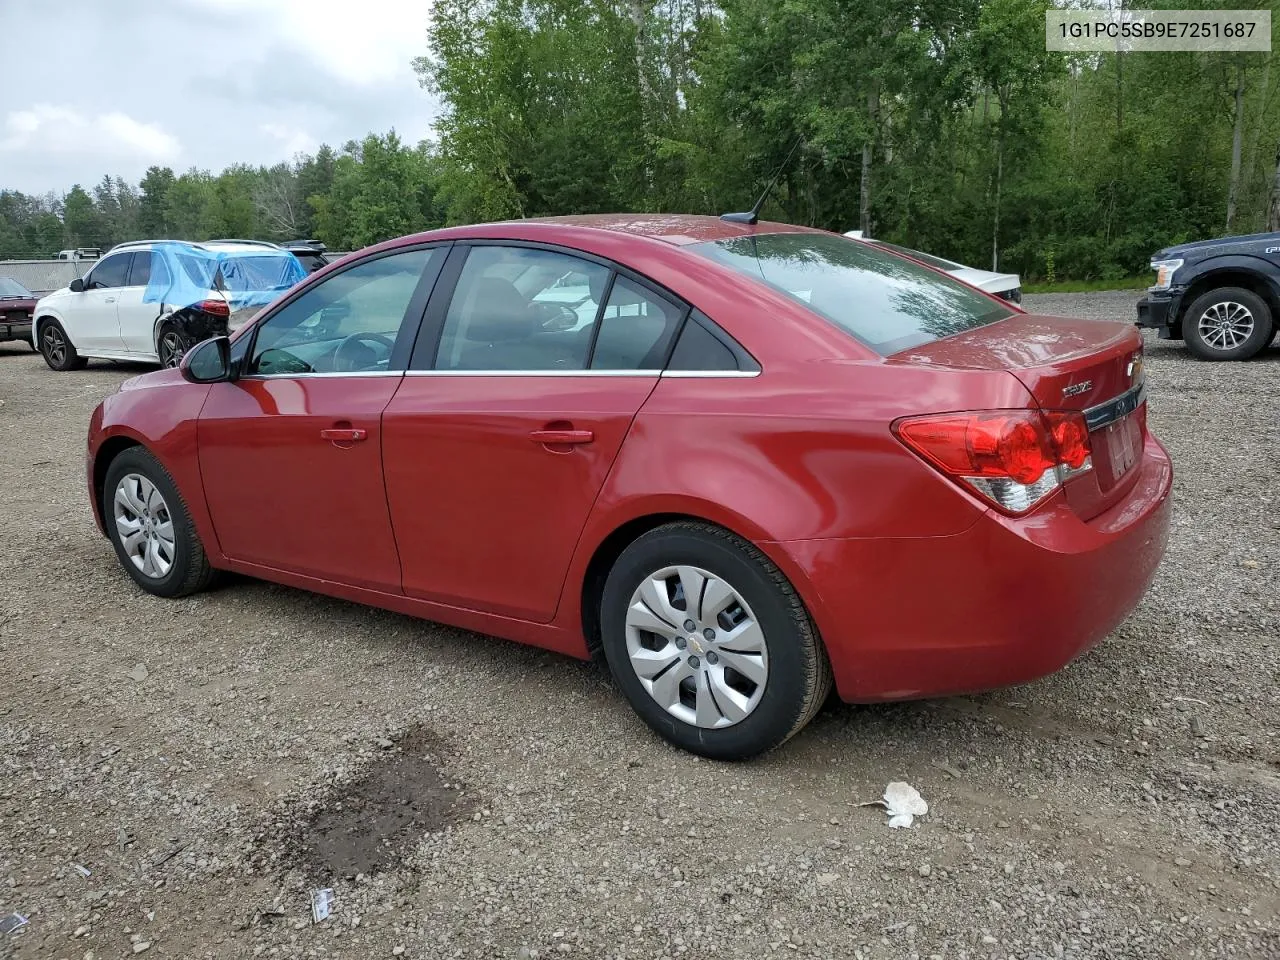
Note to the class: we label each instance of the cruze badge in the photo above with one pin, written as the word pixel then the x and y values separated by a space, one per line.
pixel 1075 389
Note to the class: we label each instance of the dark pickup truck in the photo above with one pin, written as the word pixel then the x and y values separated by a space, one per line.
pixel 1221 296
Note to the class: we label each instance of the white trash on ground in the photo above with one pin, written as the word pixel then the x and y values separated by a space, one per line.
pixel 902 802
pixel 321 904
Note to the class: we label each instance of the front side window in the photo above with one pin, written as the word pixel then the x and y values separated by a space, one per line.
pixel 519 308
pixel 111 272
pixel 888 303
pixel 348 323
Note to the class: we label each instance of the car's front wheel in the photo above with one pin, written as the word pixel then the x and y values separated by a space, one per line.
pixel 149 526
pixel 710 642
pixel 1230 323
pixel 57 349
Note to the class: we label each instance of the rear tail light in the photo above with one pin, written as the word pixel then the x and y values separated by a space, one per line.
pixel 215 308
pixel 1013 458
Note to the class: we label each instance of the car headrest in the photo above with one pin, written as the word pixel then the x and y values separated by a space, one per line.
pixel 498 312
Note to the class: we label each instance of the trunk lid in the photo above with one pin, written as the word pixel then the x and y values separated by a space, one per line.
pixel 1066 364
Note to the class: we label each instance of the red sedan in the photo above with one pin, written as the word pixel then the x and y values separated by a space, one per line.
pixel 743 461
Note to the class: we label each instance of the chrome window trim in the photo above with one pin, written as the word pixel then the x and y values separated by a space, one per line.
pixel 711 374
pixel 533 373
pixel 1114 409
pixel 681 374
pixel 322 373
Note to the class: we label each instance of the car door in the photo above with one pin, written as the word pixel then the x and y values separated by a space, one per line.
pixel 509 419
pixel 291 452
pixel 90 316
pixel 137 319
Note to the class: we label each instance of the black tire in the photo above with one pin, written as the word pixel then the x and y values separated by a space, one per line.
pixel 189 570
pixel 57 349
pixel 171 345
pixel 1224 300
pixel 799 674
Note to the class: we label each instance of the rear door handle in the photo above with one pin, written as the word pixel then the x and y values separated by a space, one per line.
pixel 108 299
pixel 344 434
pixel 562 436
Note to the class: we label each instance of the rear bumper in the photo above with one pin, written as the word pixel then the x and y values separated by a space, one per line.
pixel 1005 602
pixel 1159 310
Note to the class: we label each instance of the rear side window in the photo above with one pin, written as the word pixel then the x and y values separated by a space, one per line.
pixel 140 275
pixel 635 330
pixel 886 302
pixel 699 348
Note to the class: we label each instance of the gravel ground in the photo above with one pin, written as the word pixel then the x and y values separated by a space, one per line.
pixel 209 762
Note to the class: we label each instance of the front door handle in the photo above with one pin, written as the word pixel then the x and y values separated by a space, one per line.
pixel 562 436
pixel 344 434
pixel 108 299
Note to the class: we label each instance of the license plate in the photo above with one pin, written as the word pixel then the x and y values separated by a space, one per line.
pixel 1122 447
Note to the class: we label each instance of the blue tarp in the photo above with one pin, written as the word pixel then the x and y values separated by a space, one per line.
pixel 182 274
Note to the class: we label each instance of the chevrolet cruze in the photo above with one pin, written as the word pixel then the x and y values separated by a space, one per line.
pixel 743 461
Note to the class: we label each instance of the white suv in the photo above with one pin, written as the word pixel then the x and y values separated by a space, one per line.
pixel 106 313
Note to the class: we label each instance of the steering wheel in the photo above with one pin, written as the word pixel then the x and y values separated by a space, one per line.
pixel 557 316
pixel 346 364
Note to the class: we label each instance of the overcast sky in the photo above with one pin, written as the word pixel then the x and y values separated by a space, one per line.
pixel 90 87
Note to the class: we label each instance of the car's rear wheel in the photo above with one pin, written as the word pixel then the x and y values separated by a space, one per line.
pixel 149 526
pixel 171 346
pixel 57 349
pixel 1230 323
pixel 710 642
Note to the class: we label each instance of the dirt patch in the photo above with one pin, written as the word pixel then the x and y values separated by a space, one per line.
pixel 371 823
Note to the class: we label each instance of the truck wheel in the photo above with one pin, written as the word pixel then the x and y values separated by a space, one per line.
pixel 1230 323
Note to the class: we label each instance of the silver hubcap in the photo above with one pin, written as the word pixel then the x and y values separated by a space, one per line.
pixel 1226 325
pixel 171 350
pixel 144 525
pixel 697 647
pixel 55 348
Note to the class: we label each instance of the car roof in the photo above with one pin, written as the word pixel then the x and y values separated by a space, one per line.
pixel 229 245
pixel 676 229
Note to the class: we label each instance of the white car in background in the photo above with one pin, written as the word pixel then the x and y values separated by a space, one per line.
pixel 107 314
pixel 1006 286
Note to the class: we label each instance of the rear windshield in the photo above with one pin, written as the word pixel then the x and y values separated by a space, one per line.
pixel 888 303
pixel 936 262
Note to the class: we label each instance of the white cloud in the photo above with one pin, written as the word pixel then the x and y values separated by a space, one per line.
pixel 292 139
pixel 54 129
pixel 373 45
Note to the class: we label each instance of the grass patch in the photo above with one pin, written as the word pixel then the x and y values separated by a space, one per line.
pixel 1088 286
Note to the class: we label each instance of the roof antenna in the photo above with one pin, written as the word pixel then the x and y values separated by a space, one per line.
pixel 753 215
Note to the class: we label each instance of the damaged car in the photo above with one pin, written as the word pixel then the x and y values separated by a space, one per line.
pixel 152 301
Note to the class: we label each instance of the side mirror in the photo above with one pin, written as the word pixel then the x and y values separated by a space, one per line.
pixel 209 362
pixel 76 285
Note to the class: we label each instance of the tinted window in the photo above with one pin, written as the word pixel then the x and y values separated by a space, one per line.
pixel 517 308
pixel 111 272
pixel 635 330
pixel 699 349
pixel 888 303
pixel 347 323
pixel 140 275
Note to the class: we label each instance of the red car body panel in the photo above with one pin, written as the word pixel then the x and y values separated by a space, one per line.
pixel 450 509
pixel 516 505
pixel 271 480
